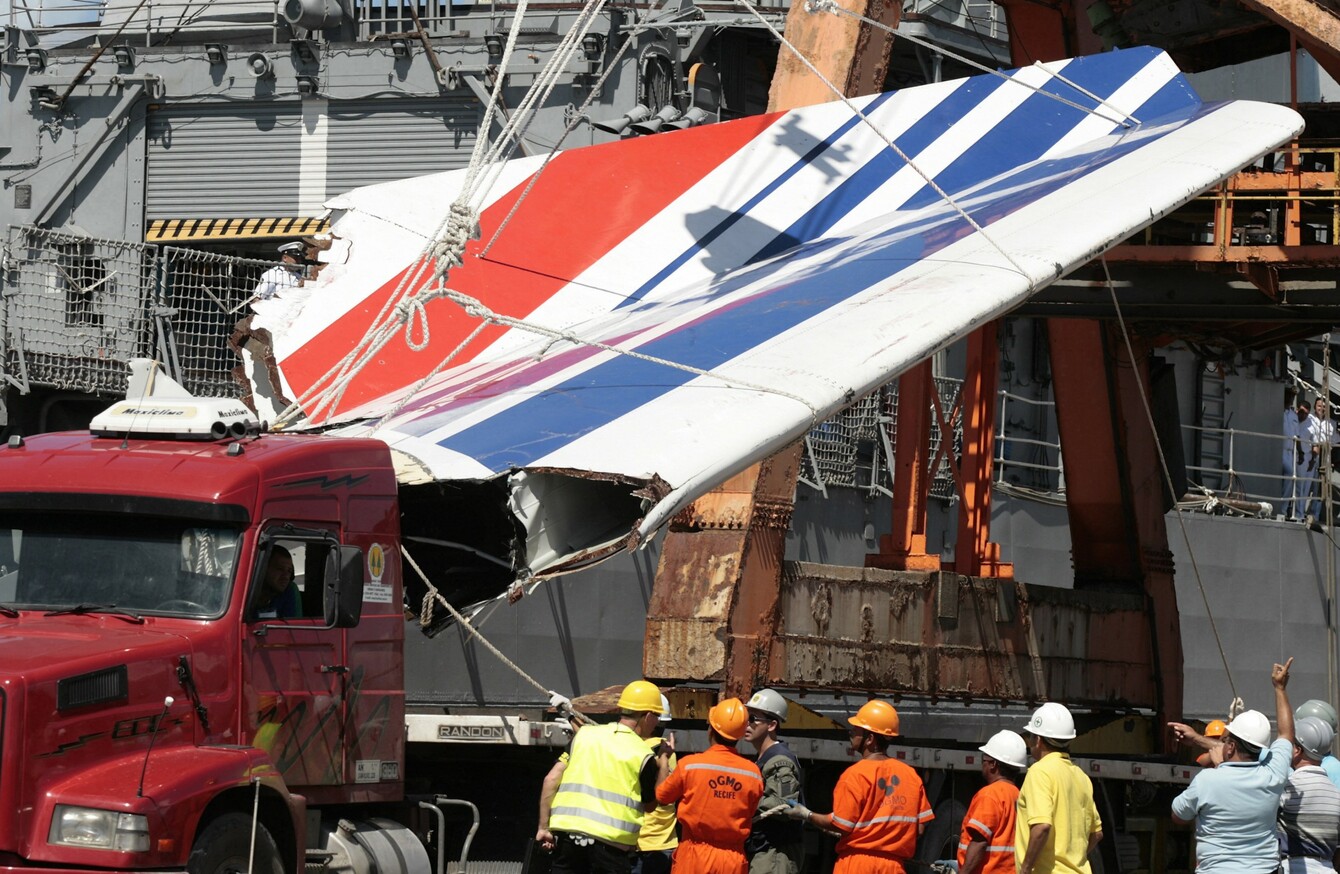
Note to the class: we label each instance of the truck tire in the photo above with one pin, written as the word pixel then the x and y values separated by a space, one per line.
pixel 224 847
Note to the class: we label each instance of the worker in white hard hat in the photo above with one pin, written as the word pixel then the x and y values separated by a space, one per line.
pixel 1309 814
pixel 286 274
pixel 657 841
pixel 1235 805
pixel 776 843
pixel 1057 824
pixel 1326 713
pixel 987 844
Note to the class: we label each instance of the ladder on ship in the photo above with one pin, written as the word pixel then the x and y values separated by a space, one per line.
pixel 1211 447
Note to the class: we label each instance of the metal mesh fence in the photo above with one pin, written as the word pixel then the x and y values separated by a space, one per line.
pixel 76 309
pixel 201 297
pixel 854 448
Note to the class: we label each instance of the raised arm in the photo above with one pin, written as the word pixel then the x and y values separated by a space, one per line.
pixel 1279 676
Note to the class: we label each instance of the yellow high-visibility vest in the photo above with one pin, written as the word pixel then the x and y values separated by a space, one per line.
pixel 600 794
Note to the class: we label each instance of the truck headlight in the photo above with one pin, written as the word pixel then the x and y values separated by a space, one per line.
pixel 99 829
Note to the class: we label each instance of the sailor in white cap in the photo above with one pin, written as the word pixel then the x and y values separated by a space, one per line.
pixel 286 274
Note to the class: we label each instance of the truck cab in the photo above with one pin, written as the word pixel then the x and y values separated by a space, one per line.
pixel 198 631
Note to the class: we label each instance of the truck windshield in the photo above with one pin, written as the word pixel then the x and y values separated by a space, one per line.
pixel 150 566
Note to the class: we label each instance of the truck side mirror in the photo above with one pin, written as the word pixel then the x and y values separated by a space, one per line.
pixel 344 587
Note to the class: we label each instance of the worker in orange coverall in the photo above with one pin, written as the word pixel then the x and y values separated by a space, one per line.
pixel 879 804
pixel 717 791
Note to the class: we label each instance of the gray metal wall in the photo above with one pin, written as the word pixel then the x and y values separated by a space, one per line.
pixel 285 158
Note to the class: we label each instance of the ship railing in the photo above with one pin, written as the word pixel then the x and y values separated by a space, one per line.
pixel 1237 480
pixel 199 300
pixel 382 19
pixel 983 19
pixel 60 23
pixel 1027 455
pixel 854 449
pixel 76 309
pixel 1282 210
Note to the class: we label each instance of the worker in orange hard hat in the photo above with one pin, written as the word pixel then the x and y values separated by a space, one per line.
pixel 1212 741
pixel 1215 731
pixel 879 803
pixel 717 792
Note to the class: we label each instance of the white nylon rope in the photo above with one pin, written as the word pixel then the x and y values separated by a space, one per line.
pixel 448 241
pixel 425 616
pixel 1168 480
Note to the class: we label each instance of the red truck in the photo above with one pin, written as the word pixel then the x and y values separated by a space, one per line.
pixel 152 705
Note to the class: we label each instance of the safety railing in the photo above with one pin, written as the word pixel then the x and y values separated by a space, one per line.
pixel 984 19
pixel 854 449
pixel 201 296
pixel 75 310
pixel 59 23
pixel 1284 210
pixel 1285 491
pixel 1024 457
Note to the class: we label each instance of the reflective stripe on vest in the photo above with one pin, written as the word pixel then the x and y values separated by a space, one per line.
pixel 876 821
pixel 600 794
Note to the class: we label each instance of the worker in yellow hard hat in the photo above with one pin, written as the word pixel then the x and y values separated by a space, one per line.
pixel 717 792
pixel 879 803
pixel 596 795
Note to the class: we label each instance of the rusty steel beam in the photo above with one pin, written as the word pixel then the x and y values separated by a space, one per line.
pixel 1115 493
pixel 1038 31
pixel 904 547
pixel 974 553
pixel 1314 25
pixel 713 608
pixel 1307 255
pixel 946 635
pixel 852 55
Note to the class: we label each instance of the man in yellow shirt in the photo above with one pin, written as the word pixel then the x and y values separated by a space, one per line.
pixel 658 839
pixel 1057 825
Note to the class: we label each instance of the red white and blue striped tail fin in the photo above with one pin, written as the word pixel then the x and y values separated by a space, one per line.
pixel 676 307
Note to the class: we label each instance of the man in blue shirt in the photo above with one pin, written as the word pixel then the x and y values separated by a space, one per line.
pixel 1235 805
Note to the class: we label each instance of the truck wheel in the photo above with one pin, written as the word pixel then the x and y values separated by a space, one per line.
pixel 224 847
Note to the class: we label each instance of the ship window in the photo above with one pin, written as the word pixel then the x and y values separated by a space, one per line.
pixel 83 278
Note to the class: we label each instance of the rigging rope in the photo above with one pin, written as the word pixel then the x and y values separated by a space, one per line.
pixel 425 615
pixel 446 245
pixel 1167 478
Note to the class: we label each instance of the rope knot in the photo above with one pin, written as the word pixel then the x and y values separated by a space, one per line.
pixel 406 311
